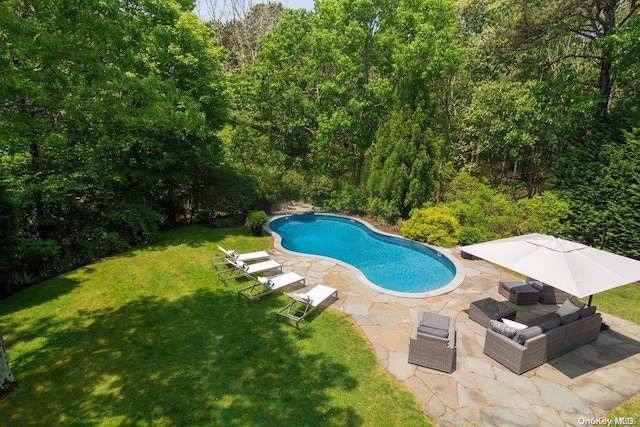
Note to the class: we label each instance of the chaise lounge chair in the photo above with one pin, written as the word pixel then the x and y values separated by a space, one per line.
pixel 265 286
pixel 245 257
pixel 303 304
pixel 238 269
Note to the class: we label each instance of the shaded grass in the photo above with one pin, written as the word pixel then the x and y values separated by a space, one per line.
pixel 152 337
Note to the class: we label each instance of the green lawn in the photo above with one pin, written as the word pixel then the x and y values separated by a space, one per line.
pixel 152 337
pixel 621 302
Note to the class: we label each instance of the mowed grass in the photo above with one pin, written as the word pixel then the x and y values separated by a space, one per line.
pixel 622 302
pixel 152 337
pixel 631 409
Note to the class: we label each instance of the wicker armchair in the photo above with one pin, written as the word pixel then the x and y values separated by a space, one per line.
pixel 433 342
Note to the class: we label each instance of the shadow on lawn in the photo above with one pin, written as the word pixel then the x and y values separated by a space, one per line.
pixel 195 236
pixel 40 293
pixel 203 359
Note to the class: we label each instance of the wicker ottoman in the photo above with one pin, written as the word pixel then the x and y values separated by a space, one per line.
pixel 518 292
pixel 485 310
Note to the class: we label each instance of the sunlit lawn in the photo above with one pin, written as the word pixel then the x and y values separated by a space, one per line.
pixel 623 302
pixel 152 337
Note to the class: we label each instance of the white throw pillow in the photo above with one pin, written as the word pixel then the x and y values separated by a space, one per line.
pixel 567 308
pixel 515 325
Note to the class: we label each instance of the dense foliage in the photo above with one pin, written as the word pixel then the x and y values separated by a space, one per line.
pixel 117 119
pixel 473 212
pixel 373 106
pixel 435 225
pixel 108 120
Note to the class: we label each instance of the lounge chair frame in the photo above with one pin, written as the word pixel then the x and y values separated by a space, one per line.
pixel 298 309
pixel 229 271
pixel 247 257
pixel 258 289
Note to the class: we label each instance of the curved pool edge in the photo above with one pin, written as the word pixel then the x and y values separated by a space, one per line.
pixel 452 285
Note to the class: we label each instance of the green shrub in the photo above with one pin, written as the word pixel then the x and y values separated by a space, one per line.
pixel 463 188
pixel 434 225
pixel 228 192
pixel 318 190
pixel 384 211
pixel 17 280
pixel 127 224
pixel 38 257
pixel 101 242
pixel 348 198
pixel 9 243
pixel 479 206
pixel 223 222
pixel 544 213
pixel 470 235
pixel 256 219
pixel 293 185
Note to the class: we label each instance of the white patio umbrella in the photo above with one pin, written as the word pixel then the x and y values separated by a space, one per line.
pixel 569 266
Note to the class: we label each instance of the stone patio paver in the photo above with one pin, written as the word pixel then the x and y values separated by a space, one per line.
pixel 584 383
pixel 561 398
pixel 399 367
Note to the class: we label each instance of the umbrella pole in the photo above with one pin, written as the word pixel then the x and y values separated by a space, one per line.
pixel 590 298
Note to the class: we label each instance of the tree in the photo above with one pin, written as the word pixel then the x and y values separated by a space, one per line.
pixel 279 85
pixel 7 381
pixel 241 32
pixel 109 112
pixel 599 178
pixel 403 162
pixel 405 159
pixel 505 125
pixel 570 61
pixel 587 25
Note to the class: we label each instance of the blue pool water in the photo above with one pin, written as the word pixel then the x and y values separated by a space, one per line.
pixel 389 262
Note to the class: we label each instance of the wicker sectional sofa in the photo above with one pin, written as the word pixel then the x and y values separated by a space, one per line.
pixel 546 342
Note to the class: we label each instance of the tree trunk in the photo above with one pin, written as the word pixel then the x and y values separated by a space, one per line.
pixel 605 82
pixel 7 382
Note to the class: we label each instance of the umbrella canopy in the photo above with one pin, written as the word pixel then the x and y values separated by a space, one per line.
pixel 569 266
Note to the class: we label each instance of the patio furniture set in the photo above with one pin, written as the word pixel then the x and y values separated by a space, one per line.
pixel 518 346
pixel 543 338
pixel 232 266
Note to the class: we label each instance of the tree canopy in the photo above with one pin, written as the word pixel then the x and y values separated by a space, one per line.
pixel 118 118
pixel 108 118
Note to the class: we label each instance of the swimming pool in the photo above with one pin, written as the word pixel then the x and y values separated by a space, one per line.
pixel 389 263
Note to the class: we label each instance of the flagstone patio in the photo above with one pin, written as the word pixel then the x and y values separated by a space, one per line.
pixel 583 384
